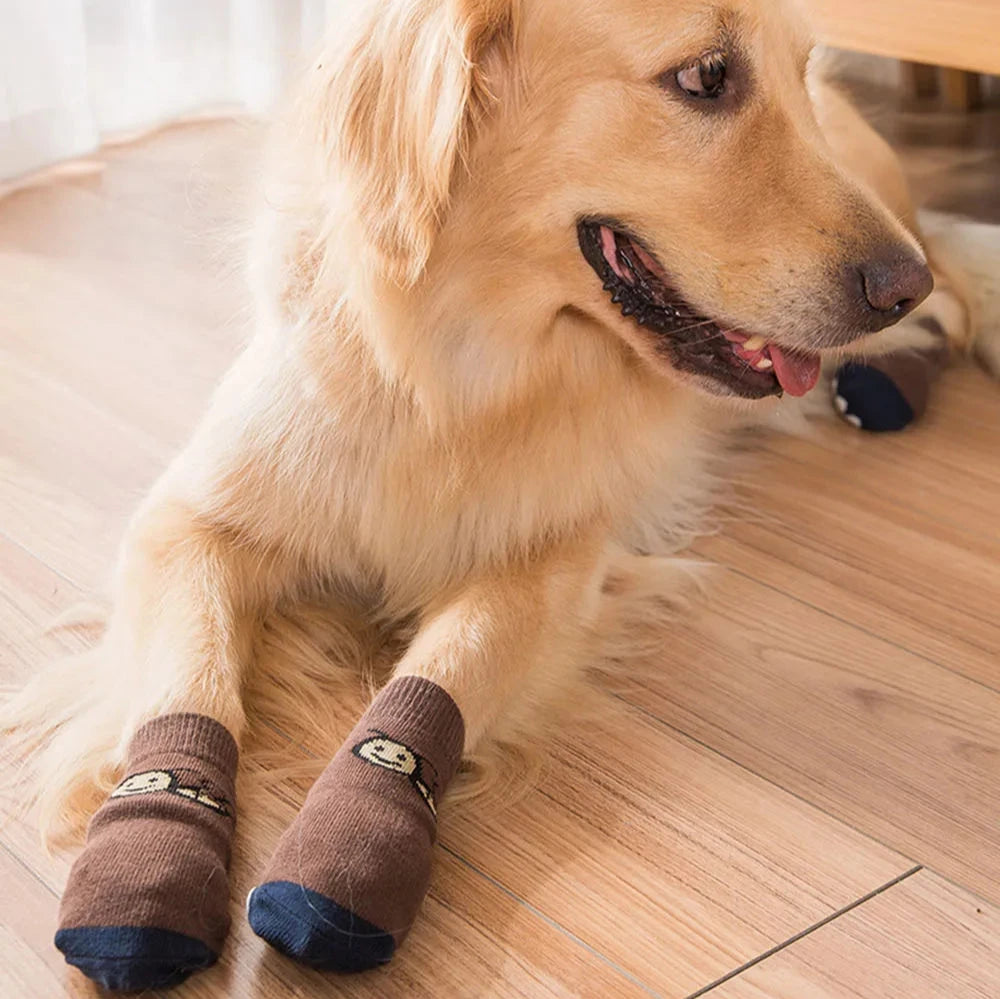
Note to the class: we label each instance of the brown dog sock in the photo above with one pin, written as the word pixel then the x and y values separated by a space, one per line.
pixel 147 900
pixel 348 876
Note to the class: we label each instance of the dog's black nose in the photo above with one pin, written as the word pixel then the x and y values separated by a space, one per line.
pixel 894 284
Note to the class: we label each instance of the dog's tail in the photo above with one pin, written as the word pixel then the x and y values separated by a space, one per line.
pixel 59 735
pixel 969 253
pixel 64 735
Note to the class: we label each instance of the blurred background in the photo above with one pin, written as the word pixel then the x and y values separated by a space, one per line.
pixel 76 72
pixel 79 74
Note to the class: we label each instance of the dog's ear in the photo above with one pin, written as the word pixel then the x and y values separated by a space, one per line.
pixel 401 91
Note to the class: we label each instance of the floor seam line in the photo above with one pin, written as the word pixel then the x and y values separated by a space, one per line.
pixel 779 454
pixel 85 591
pixel 549 921
pixel 798 796
pixel 792 538
pixel 784 945
pixel 850 624
pixel 11 852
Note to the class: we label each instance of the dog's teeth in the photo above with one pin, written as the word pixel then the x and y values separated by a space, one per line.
pixel 754 344
pixel 764 363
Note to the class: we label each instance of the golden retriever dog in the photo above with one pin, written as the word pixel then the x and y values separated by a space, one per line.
pixel 516 265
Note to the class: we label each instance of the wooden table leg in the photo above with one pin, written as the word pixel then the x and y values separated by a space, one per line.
pixel 961 90
pixel 919 80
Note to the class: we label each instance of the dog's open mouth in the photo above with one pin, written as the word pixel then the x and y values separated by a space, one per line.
pixel 741 363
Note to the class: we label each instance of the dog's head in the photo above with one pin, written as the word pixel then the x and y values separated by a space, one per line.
pixel 645 172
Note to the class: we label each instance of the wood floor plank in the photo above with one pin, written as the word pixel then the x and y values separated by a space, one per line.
pixel 904 543
pixel 889 610
pixel 890 541
pixel 165 230
pixel 898 747
pixel 903 565
pixel 665 857
pixel 144 365
pixel 68 482
pixel 943 468
pixel 125 285
pixel 29 965
pixel 471 939
pixel 31 598
pixel 922 939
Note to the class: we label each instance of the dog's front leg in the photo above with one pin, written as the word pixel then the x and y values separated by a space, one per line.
pixel 348 877
pixel 147 901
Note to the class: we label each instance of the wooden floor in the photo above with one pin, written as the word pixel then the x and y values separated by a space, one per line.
pixel 821 817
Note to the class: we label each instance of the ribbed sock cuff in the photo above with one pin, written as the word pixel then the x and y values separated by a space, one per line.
pixel 428 716
pixel 189 734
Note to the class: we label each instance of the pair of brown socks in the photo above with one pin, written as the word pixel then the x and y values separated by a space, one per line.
pixel 147 901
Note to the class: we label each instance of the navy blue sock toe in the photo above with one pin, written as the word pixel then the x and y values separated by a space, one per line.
pixel 873 400
pixel 133 958
pixel 315 930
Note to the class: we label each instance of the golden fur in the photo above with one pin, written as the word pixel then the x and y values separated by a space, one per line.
pixel 442 447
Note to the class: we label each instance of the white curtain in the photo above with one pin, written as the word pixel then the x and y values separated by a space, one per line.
pixel 73 72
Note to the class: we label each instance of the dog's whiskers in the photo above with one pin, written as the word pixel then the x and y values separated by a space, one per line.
pixel 694 326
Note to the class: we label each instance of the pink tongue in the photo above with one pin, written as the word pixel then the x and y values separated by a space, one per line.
pixel 797 373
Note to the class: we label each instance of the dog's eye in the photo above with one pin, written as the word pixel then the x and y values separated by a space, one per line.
pixel 705 79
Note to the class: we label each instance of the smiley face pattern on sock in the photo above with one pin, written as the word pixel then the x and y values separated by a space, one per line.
pixel 347 878
pixel 381 751
pixel 147 900
pixel 184 783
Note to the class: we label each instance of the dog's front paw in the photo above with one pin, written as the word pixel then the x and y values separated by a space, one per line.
pixel 147 901
pixel 349 875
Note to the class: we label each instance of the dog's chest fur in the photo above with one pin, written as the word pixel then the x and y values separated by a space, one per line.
pixel 369 490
